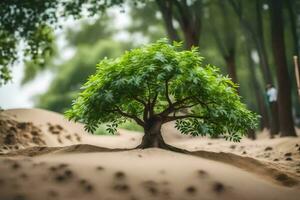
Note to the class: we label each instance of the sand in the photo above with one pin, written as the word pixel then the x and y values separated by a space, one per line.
pixel 59 160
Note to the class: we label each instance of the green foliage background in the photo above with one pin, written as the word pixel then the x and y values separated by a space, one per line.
pixel 95 40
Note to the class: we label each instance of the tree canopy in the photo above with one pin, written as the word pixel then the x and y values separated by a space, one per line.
pixel 163 81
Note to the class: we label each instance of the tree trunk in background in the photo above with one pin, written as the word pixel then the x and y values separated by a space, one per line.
pixel 263 111
pixel 284 88
pixel 189 18
pixel 250 32
pixel 226 44
pixel 297 8
pixel 190 37
pixel 292 18
pixel 231 67
pixel 275 118
pixel 261 48
pixel 263 60
pixel 166 8
pixel 251 134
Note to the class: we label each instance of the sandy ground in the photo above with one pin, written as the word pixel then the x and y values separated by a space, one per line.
pixel 44 156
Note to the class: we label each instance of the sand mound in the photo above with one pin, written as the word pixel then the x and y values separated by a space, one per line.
pixel 252 165
pixel 23 128
pixel 16 135
pixel 55 131
pixel 42 150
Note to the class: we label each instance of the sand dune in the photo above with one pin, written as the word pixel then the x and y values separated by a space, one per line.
pixel 62 161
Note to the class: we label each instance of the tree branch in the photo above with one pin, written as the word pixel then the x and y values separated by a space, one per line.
pixel 167 92
pixel 135 118
pixel 172 118
pixel 140 101
pixel 171 107
pixel 186 106
pixel 152 105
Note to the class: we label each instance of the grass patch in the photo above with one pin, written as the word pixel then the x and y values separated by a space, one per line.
pixel 131 126
pixel 128 125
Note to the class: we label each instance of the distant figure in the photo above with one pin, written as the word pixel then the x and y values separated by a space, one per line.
pixel 272 94
pixel 272 100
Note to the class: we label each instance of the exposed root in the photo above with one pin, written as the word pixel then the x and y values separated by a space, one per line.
pixel 162 145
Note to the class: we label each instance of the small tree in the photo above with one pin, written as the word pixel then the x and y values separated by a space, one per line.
pixel 160 83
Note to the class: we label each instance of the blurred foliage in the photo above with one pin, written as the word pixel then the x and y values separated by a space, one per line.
pixel 73 73
pixel 89 32
pixel 29 25
pixel 27 33
pixel 147 20
pixel 34 67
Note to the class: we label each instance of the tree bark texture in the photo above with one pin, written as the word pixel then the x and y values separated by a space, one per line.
pixel 286 122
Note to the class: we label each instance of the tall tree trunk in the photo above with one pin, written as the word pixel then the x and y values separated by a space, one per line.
pixel 274 119
pixel 250 32
pixel 292 14
pixel 292 18
pixel 263 61
pixel 263 111
pixel 251 134
pixel 190 36
pixel 226 44
pixel 297 8
pixel 152 136
pixel 166 9
pixel 231 67
pixel 284 86
pixel 261 48
pixel 189 18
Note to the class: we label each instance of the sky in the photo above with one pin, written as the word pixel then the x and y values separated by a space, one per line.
pixel 15 95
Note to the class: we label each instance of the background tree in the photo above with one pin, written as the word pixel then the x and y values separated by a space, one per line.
pixel 152 85
pixel 284 85
pixel 292 15
pixel 253 28
pixel 251 21
pixel 28 26
pixel 190 21
pixel 225 40
pixel 263 111
pixel 92 42
pixel 74 72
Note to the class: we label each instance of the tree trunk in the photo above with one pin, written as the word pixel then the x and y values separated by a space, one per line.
pixel 153 139
pixel 274 120
pixel 166 9
pixel 251 134
pixel 286 123
pixel 292 18
pixel 230 63
pixel 251 33
pixel 261 48
pixel 264 123
pixel 189 18
pixel 191 37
